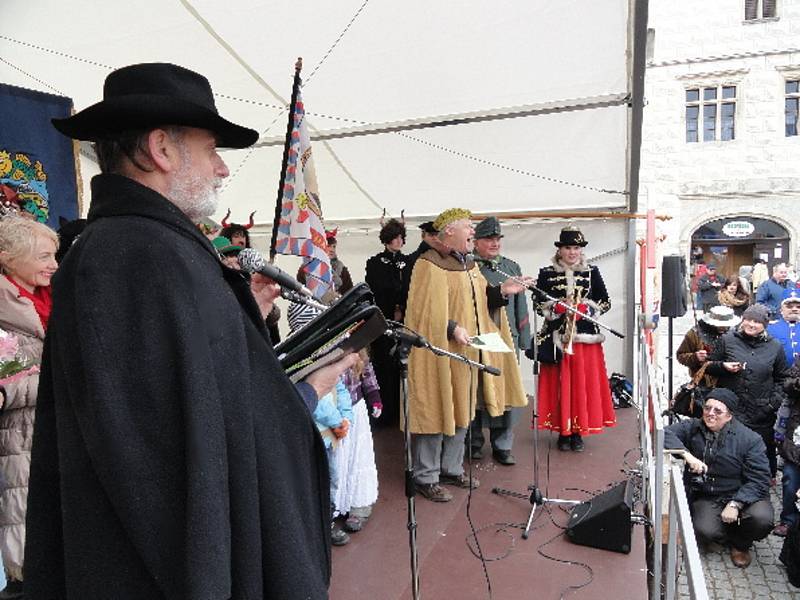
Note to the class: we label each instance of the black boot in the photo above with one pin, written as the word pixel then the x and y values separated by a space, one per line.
pixel 576 442
pixel 12 591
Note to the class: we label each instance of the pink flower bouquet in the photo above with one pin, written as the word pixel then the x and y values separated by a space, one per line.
pixel 13 366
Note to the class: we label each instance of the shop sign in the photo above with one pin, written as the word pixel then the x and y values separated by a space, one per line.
pixel 738 229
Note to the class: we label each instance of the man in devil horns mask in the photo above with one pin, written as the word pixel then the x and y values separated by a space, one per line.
pixel 151 475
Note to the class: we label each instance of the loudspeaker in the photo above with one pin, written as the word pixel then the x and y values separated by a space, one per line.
pixel 673 286
pixel 604 521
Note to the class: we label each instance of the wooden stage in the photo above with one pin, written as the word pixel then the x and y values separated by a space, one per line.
pixel 375 565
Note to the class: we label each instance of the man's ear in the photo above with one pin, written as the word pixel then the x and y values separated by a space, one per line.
pixel 163 151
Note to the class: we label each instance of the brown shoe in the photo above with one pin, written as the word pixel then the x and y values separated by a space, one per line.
pixel 740 558
pixel 461 481
pixel 434 492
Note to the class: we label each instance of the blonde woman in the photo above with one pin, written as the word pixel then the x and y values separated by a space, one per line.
pixel 27 260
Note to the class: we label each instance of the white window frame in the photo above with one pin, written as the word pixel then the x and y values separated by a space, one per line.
pixel 718 102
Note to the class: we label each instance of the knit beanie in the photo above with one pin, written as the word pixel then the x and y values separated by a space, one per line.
pixel 758 313
pixel 724 395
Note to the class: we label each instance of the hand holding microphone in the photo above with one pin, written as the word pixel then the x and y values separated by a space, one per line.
pixel 251 261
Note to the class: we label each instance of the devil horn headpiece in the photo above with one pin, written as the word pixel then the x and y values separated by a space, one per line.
pixel 250 223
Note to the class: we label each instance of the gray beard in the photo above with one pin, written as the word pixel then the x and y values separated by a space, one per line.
pixel 194 196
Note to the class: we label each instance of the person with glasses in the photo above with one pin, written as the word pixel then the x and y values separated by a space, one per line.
pixel 726 476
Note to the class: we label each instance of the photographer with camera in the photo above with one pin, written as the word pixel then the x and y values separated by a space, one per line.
pixel 727 476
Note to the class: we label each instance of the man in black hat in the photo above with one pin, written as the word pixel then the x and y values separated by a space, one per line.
pixel 165 421
pixel 727 476
pixel 496 268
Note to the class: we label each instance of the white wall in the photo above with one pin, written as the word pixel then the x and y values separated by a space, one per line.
pixel 756 174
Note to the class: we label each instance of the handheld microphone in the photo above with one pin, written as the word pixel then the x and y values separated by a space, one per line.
pixel 251 261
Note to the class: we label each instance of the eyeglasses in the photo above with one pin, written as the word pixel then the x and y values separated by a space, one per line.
pixel 714 410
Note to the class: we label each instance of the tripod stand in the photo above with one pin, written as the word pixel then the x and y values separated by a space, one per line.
pixel 535 497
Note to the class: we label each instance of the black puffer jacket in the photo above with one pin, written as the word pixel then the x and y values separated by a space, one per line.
pixel 737 461
pixel 759 386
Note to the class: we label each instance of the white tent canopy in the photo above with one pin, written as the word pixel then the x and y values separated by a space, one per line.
pixel 367 63
pixel 501 107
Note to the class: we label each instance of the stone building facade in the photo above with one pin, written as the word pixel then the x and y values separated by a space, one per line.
pixel 720 150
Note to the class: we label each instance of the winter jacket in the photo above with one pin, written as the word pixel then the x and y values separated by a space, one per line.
pixel 18 317
pixel 770 294
pixel 759 386
pixel 737 461
pixel 700 337
pixel 789 417
pixel 332 409
pixel 384 275
pixel 708 291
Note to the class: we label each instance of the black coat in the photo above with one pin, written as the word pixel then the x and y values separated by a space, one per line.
pixel 759 387
pixel 410 260
pixel 708 290
pixel 172 457
pixel 737 462
pixel 384 275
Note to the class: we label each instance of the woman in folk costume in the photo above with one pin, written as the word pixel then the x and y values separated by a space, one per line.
pixel 27 262
pixel 574 395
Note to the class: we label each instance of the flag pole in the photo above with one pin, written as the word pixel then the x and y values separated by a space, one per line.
pixel 298 66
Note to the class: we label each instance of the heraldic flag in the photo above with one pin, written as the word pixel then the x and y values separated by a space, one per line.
pixel 300 229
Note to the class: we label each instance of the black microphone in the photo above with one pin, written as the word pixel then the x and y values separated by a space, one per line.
pixel 251 261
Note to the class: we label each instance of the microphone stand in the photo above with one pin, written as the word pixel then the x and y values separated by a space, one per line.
pixel 406 339
pixel 535 496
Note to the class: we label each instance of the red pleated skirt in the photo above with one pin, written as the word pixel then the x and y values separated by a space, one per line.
pixel 574 395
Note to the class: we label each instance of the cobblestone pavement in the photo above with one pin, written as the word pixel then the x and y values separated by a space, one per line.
pixel 765 578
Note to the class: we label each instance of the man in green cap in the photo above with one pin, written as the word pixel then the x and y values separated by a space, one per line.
pixel 496 268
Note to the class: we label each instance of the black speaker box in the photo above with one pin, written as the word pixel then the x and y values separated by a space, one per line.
pixel 673 286
pixel 604 521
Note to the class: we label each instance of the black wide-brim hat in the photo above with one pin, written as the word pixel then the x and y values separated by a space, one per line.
pixel 154 95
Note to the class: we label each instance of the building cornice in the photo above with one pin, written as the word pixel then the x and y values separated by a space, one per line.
pixel 730 74
pixel 721 57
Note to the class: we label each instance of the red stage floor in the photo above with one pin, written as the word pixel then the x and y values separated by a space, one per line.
pixel 376 563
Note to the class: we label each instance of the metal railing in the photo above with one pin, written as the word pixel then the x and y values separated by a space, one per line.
pixel 681 533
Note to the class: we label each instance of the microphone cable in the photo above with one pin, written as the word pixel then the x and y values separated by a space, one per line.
pixel 468 445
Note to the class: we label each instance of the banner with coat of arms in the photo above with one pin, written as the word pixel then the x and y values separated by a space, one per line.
pixel 37 164
pixel 300 230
